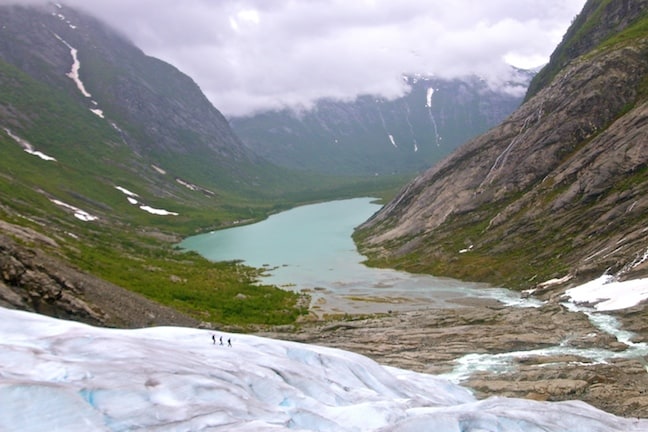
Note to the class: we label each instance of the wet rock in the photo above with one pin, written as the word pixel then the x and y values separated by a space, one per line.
pixel 433 340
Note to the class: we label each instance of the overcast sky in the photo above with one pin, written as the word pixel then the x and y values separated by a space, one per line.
pixel 251 55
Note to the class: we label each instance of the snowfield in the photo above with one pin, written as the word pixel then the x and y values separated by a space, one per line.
pixel 63 376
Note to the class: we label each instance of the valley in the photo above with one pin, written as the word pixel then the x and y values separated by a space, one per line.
pixel 112 161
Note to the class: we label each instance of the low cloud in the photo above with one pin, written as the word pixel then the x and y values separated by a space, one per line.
pixel 252 55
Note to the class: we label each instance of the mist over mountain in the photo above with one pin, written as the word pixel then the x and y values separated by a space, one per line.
pixel 372 135
pixel 108 155
pixel 140 103
pixel 557 190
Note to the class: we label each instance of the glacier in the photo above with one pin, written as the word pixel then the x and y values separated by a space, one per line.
pixel 58 375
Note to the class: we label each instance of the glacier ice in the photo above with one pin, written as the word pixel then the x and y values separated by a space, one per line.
pixel 57 375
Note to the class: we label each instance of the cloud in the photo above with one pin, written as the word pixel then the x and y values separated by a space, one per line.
pixel 251 55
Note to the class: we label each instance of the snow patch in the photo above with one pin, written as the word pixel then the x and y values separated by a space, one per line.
pixel 97 112
pixel 74 74
pixel 76 65
pixel 132 199
pixel 428 97
pixel 158 169
pixel 187 185
pixel 78 213
pixel 40 155
pixel 27 147
pixel 607 294
pixel 126 191
pixel 468 249
pixel 391 139
pixel 555 281
pixel 155 211
pixel 428 105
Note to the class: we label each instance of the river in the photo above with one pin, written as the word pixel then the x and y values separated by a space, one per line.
pixel 309 249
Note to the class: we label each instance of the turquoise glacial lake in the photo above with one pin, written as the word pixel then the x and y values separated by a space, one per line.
pixel 310 249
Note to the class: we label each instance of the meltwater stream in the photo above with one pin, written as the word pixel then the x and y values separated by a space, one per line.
pixel 310 249
pixel 504 362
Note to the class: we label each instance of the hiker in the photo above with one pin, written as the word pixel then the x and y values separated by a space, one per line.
pixel 221 340
pixel 229 342
pixel 214 339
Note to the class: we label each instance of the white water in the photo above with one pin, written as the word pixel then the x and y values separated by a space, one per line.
pixel 606 294
pixel 310 248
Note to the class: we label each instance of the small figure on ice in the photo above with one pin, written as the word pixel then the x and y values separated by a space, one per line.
pixel 229 342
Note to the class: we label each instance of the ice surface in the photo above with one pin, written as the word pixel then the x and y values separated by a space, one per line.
pixel 63 376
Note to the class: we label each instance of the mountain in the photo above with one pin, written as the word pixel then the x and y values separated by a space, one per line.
pixel 131 105
pixel 109 157
pixel 372 135
pixel 558 191
pixel 95 113
pixel 60 375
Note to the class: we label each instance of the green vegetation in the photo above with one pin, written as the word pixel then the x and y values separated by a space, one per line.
pixel 584 36
pixel 639 29
pixel 130 247
pixel 225 293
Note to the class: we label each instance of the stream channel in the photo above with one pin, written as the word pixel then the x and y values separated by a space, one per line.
pixel 309 249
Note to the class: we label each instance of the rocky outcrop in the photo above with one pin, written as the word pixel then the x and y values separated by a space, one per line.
pixel 35 281
pixel 559 187
pixel 434 340
pixel 598 20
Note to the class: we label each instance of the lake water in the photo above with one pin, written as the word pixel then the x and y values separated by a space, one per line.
pixel 310 249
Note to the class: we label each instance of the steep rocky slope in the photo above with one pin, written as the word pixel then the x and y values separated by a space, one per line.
pixel 36 281
pixel 156 107
pixel 560 188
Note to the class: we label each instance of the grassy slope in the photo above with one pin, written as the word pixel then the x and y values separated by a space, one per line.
pixel 126 245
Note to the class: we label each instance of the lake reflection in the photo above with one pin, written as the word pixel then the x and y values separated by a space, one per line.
pixel 310 248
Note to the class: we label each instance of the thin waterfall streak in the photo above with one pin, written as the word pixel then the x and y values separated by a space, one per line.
pixel 411 128
pixel 434 125
pixel 503 156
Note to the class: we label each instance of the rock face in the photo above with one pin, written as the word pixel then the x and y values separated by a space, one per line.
pixel 559 187
pixel 373 135
pixel 35 281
